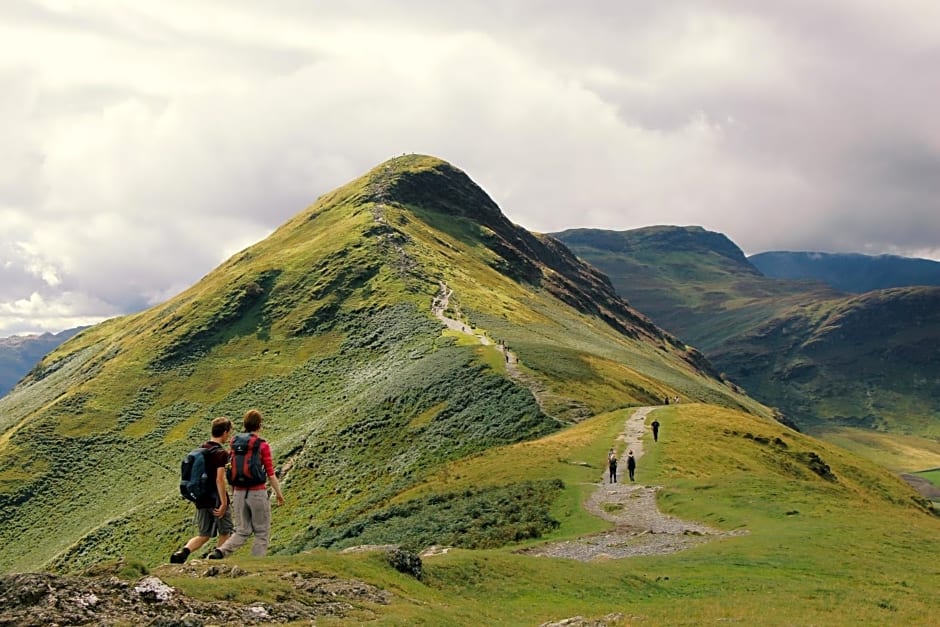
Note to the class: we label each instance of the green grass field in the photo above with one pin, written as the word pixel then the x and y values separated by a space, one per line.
pixel 933 476
pixel 846 547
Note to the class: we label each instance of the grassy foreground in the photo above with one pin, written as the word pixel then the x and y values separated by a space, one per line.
pixel 832 540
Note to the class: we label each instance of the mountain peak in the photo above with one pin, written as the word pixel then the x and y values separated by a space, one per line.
pixel 432 183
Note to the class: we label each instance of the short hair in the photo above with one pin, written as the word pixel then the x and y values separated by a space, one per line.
pixel 252 420
pixel 220 425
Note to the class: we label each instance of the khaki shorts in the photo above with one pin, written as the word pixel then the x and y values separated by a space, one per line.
pixel 208 525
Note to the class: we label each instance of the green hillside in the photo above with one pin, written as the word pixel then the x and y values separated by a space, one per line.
pixel 824 538
pixel 823 358
pixel 327 327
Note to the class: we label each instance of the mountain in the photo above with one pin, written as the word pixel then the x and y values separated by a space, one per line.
pixel 823 357
pixel 369 329
pixel 434 377
pixel 19 353
pixel 849 272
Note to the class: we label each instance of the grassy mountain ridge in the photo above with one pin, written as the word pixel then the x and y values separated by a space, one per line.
pixel 849 272
pixel 326 326
pixel 823 357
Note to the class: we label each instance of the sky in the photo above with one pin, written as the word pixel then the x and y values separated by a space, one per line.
pixel 143 143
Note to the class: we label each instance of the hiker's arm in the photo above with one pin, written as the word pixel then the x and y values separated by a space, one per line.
pixel 268 462
pixel 277 489
pixel 223 495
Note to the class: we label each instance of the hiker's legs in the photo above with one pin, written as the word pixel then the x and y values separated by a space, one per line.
pixel 243 528
pixel 260 506
pixel 195 543
pixel 225 526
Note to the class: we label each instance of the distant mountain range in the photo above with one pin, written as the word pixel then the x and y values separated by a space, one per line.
pixel 19 353
pixel 849 272
pixel 821 356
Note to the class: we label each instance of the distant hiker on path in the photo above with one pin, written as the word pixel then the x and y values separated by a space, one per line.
pixel 213 514
pixel 631 464
pixel 612 467
pixel 655 425
pixel 665 400
pixel 252 465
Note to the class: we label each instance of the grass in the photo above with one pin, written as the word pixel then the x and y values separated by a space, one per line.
pixel 898 453
pixel 783 572
pixel 933 476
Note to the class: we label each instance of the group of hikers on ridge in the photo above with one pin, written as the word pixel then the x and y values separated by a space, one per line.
pixel 631 460
pixel 247 466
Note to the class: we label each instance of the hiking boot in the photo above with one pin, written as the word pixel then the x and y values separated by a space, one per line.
pixel 180 556
pixel 216 555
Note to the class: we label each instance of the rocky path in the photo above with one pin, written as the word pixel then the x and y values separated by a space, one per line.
pixel 547 401
pixel 639 527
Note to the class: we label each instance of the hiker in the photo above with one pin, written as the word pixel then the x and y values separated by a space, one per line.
pixel 631 464
pixel 251 466
pixel 655 425
pixel 612 466
pixel 665 400
pixel 213 514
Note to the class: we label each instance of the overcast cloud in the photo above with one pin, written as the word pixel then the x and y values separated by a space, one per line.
pixel 145 142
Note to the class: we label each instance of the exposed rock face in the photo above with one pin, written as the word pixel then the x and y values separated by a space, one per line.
pixel 42 599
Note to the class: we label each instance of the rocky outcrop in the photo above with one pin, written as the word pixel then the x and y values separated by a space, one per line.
pixel 41 599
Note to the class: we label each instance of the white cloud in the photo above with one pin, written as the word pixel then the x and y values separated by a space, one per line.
pixel 146 142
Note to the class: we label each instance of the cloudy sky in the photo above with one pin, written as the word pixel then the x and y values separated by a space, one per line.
pixel 142 143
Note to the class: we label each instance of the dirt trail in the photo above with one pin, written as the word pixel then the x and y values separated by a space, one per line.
pixel 639 527
pixel 550 404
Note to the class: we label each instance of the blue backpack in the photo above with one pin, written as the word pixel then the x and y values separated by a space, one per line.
pixel 195 482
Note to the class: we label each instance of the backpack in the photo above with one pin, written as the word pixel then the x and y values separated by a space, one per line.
pixel 247 470
pixel 195 483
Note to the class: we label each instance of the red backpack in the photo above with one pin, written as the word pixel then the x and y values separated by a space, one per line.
pixel 247 470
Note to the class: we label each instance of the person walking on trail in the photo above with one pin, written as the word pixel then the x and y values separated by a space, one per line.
pixel 612 466
pixel 252 467
pixel 213 514
pixel 655 425
pixel 631 464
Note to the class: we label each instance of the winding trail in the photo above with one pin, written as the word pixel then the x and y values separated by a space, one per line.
pixel 639 527
pixel 551 404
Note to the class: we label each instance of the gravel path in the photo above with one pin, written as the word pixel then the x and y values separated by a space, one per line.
pixel 639 527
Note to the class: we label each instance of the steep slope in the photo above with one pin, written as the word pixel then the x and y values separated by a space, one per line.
pixel 849 272
pixel 822 357
pixel 327 327
pixel 19 353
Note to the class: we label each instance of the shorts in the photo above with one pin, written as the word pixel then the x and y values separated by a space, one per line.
pixel 208 525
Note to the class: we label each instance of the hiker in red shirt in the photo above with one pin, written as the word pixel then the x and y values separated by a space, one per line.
pixel 252 467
